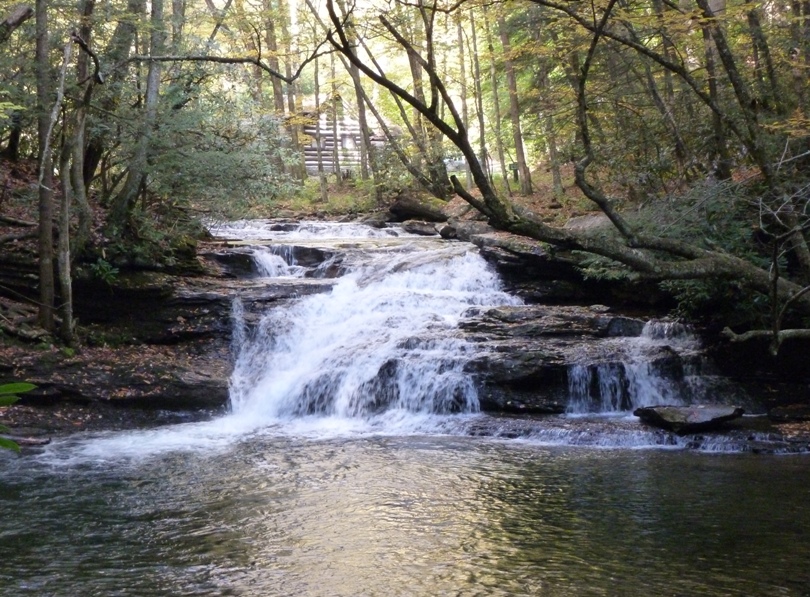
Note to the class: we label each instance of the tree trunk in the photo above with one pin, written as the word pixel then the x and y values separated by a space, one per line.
pixel 178 21
pixel 550 133
pixel 123 203
pixel 335 132
pixel 462 68
pixel 722 159
pixel 12 149
pixel 514 112
pixel 116 52
pixel 44 125
pixel 293 126
pixel 85 213
pixel 272 58
pixel 321 174
pixel 496 105
pixel 479 100
pixel 63 248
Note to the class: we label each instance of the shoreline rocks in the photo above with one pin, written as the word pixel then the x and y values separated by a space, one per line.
pixel 685 420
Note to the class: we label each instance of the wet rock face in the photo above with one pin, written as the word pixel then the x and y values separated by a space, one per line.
pixel 688 419
pixel 524 353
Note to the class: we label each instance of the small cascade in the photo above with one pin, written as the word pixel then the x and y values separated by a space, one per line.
pixel 656 367
pixel 277 262
pixel 384 339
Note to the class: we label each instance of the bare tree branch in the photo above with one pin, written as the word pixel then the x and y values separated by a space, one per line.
pixel 256 61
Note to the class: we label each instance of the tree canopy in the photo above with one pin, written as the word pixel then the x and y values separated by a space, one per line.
pixel 685 124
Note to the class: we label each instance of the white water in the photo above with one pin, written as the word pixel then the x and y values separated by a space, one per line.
pixel 620 386
pixel 254 230
pixel 380 354
pixel 381 345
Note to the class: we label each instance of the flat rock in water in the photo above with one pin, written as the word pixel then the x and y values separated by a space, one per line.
pixel 688 419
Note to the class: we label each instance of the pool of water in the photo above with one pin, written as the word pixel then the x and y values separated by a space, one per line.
pixel 270 513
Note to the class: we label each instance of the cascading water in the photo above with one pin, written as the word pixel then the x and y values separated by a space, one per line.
pixel 383 340
pixel 277 262
pixel 637 380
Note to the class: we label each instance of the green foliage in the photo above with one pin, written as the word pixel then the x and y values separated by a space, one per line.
pixel 714 215
pixel 8 396
pixel 9 391
pixel 719 302
pixel 103 270
pixel 6 108
pixel 219 164
pixel 348 198
pixel 596 267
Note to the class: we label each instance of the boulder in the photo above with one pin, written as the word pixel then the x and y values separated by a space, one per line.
pixel 466 229
pixel 377 219
pixel 688 419
pixel 419 227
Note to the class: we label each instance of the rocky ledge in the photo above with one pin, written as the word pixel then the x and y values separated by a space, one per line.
pixel 688 419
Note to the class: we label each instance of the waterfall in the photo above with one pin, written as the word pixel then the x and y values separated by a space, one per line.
pixel 654 368
pixel 385 338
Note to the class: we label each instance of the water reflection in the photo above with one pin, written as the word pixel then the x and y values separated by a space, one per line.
pixel 406 516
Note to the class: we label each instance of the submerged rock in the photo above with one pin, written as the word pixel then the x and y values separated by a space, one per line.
pixel 688 419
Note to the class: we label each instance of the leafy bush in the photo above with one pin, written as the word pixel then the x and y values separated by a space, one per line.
pixel 8 396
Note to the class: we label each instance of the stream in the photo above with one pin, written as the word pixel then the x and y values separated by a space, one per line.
pixel 352 462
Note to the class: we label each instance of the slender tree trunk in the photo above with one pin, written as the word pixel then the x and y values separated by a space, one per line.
pixel 85 213
pixel 723 161
pixel 767 82
pixel 124 202
pixel 479 100
pixel 272 58
pixel 12 150
pixel 514 112
pixel 46 279
pixel 462 69
pixel 335 127
pixel 550 134
pixel 366 149
pixel 63 248
pixel 299 170
pixel 496 105
pixel 116 52
pixel 251 46
pixel 178 22
pixel 318 138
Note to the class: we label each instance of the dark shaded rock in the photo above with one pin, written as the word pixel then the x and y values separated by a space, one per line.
pixel 419 227
pixel 447 231
pixel 378 219
pixel 417 207
pixel 237 262
pixel 539 273
pixel 688 419
pixel 142 376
